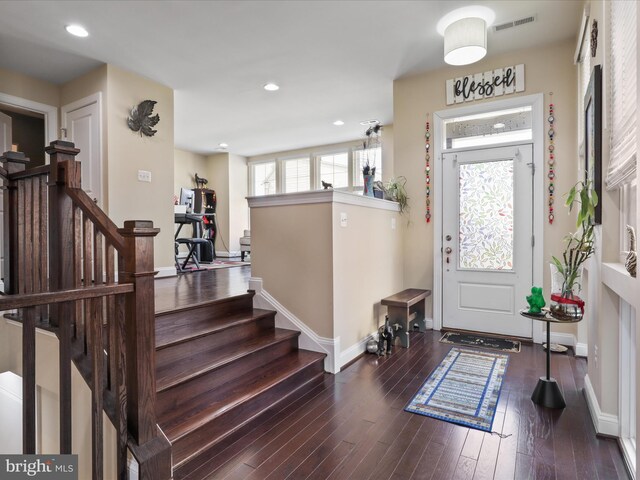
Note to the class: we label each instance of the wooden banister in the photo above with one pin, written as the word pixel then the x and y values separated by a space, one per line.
pixel 67 261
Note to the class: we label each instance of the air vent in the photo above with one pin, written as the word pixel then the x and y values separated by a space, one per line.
pixel 514 23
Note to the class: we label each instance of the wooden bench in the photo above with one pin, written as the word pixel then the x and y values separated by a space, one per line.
pixel 407 309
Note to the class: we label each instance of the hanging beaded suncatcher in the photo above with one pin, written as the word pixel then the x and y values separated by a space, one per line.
pixel 552 157
pixel 427 169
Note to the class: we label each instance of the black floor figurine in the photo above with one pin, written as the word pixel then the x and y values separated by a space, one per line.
pixel 385 338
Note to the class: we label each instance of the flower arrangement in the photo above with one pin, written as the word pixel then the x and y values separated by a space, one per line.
pixel 372 139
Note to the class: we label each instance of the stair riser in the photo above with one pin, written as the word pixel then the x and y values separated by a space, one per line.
pixel 237 333
pixel 202 438
pixel 170 401
pixel 179 321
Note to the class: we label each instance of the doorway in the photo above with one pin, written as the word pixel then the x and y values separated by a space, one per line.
pixel 488 252
pixel 505 138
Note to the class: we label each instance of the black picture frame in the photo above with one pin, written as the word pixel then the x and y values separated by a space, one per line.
pixel 593 138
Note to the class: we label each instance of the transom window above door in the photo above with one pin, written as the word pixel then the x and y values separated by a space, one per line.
pixel 502 126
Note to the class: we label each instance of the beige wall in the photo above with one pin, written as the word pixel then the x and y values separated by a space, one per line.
pixel 291 250
pixel 238 208
pixel 547 69
pixel 29 88
pixel 129 152
pixel 367 266
pixel 185 166
pixel 218 176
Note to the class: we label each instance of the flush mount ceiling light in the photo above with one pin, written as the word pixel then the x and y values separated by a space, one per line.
pixel 498 125
pixel 465 34
pixel 369 122
pixel 338 123
pixel 223 145
pixel 77 30
pixel 271 87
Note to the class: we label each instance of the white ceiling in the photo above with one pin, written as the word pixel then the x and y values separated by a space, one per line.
pixel 332 59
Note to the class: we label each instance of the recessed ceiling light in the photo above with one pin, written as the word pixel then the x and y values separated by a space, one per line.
pixel 223 145
pixel 271 87
pixel 338 123
pixel 499 125
pixel 77 30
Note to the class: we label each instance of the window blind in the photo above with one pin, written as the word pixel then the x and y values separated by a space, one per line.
pixel 623 81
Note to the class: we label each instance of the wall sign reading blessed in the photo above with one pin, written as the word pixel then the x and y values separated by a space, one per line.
pixel 501 81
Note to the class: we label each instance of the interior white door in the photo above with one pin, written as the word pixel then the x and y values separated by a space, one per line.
pixel 82 121
pixel 487 239
pixel 5 146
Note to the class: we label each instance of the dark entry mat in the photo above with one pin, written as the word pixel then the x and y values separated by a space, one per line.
pixel 473 340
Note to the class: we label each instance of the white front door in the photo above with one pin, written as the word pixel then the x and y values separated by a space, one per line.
pixel 82 122
pixel 5 146
pixel 487 239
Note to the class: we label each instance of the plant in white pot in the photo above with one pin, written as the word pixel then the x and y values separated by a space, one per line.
pixel 566 274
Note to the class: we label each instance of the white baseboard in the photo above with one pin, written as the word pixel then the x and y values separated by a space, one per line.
pixel 604 423
pixel 428 323
pixel 308 340
pixel 570 340
pixel 225 254
pixel 628 455
pixel 356 350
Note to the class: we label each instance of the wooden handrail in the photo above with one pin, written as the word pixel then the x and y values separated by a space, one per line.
pixel 10 302
pixel 32 172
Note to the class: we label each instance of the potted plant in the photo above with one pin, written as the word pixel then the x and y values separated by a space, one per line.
pixel 369 171
pixel 396 190
pixel 566 303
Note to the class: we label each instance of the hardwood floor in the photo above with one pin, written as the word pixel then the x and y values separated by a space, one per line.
pixel 353 426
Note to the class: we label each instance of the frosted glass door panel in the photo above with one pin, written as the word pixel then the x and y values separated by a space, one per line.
pixel 486 215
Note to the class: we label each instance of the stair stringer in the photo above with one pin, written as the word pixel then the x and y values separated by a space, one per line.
pixel 308 340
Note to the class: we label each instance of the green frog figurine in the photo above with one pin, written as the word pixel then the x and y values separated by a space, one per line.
pixel 536 300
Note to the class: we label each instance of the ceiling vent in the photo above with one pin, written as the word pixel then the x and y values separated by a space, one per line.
pixel 514 23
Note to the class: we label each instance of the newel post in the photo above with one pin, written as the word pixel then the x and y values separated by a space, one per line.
pixel 61 274
pixel 13 162
pixel 154 458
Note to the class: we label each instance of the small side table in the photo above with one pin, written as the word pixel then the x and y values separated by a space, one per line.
pixel 547 392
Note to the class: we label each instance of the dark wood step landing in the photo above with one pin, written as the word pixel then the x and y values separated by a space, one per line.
pixel 220 365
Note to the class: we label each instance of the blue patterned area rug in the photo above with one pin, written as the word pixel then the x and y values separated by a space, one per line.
pixel 463 389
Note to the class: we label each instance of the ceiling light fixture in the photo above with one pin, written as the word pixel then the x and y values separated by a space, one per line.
pixel 77 31
pixel 369 122
pixel 465 34
pixel 465 41
pixel 498 125
pixel 338 123
pixel 223 145
pixel 271 87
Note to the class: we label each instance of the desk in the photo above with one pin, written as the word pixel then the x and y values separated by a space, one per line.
pixel 547 392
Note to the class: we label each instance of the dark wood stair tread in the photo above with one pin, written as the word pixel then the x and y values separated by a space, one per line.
pixel 167 335
pixel 205 408
pixel 185 363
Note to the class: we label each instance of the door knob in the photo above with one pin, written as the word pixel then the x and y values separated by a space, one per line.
pixel 448 250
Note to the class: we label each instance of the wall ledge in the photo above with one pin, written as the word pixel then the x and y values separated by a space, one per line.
pixel 322 196
pixel 616 277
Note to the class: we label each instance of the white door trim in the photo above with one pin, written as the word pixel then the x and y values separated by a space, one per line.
pixel 536 101
pixel 50 115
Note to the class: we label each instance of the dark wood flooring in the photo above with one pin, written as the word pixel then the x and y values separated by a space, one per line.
pixel 353 425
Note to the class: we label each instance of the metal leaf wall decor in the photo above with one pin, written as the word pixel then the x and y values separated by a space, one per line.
pixel 141 120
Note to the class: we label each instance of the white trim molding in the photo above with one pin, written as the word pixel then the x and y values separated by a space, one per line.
pixel 321 196
pixel 308 340
pixel 604 423
pixel 569 340
pixel 49 111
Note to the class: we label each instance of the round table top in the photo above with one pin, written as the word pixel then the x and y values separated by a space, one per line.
pixel 545 316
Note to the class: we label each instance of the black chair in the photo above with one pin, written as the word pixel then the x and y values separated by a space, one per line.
pixel 192 244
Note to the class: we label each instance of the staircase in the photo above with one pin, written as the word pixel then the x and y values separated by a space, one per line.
pixel 219 365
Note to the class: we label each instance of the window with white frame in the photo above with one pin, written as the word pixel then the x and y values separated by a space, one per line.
pixel 296 173
pixel 343 169
pixel 334 169
pixel 263 177
pixel 360 158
